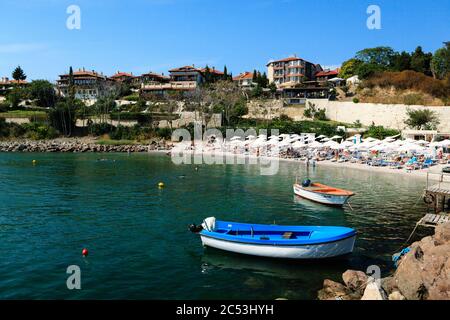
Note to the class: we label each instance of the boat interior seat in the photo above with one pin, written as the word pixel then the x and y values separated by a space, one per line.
pixel 289 235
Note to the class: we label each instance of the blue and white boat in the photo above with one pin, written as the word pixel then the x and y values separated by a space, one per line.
pixel 286 242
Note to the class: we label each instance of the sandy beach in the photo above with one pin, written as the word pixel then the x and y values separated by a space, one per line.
pixel 416 174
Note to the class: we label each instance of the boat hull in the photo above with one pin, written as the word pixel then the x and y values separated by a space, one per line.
pixel 332 200
pixel 308 251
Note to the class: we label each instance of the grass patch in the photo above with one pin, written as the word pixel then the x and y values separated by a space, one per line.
pixel 23 114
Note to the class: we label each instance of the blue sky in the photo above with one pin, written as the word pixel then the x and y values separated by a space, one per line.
pixel 142 35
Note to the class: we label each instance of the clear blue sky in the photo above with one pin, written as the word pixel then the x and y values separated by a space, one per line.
pixel 142 35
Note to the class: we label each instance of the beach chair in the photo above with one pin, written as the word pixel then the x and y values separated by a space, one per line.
pixel 427 163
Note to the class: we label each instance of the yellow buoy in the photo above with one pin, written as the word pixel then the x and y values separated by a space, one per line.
pixel 161 185
pixel 34 161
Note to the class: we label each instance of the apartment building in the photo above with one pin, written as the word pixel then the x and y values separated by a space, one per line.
pixel 291 71
pixel 88 85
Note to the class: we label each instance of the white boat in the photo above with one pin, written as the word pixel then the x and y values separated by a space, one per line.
pixel 285 242
pixel 323 194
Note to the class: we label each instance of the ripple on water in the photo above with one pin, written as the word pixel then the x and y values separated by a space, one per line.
pixel 137 234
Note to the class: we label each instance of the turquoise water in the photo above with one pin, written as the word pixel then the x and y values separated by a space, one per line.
pixel 139 245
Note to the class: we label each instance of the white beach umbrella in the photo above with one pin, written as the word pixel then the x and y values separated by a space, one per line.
pixel 235 138
pixel 336 137
pixel 298 145
pixel 410 147
pixel 315 145
pixel 250 137
pixel 370 139
pixel 347 144
pixel 321 136
pixel 445 143
pixel 421 142
pixel 331 144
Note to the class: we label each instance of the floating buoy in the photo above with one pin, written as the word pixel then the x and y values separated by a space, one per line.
pixel 161 185
pixel 34 161
pixel 85 252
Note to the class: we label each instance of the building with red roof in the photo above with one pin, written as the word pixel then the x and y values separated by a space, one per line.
pixel 88 85
pixel 291 70
pixel 326 75
pixel 244 80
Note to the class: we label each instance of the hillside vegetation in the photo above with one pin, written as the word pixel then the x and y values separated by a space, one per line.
pixel 406 87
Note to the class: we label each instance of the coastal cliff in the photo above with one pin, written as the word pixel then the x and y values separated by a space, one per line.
pixel 422 274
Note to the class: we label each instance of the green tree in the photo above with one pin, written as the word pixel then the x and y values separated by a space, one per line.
pixel 18 74
pixel 349 68
pixel 15 96
pixel 227 95
pixel 440 63
pixel 381 56
pixel 63 116
pixel 208 75
pixel 421 61
pixel 43 92
pixel 422 119
pixel 401 61
pixel 366 70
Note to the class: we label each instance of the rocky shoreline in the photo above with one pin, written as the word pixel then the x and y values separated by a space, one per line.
pixel 422 274
pixel 78 145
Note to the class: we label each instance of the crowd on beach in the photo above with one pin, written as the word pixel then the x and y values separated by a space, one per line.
pixel 391 152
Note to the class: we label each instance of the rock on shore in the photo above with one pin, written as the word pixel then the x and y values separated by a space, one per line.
pixel 423 274
pixel 75 145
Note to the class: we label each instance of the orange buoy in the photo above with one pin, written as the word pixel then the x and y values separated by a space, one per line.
pixel 85 252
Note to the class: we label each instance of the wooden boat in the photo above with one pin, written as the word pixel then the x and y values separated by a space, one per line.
pixel 272 241
pixel 323 194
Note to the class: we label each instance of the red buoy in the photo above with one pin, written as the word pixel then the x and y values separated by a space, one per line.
pixel 85 252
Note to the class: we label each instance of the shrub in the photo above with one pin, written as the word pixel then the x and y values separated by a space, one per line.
pixel 99 129
pixel 422 119
pixel 312 112
pixel 355 100
pixel 165 133
pixel 410 80
pixel 413 99
pixel 38 131
pixel 379 132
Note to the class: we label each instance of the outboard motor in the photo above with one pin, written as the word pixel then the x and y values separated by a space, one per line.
pixel 195 229
pixel 306 183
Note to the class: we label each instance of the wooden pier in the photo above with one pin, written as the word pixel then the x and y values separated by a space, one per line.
pixel 433 220
pixel 437 198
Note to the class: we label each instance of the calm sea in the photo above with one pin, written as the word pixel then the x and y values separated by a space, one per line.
pixel 139 245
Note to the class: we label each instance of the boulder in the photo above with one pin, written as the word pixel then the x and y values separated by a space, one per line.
pixel 373 291
pixel 442 234
pixel 355 280
pixel 388 284
pixel 396 296
pixel 424 273
pixel 334 291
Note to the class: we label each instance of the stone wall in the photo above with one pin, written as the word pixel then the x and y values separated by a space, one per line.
pixel 269 109
pixel 387 115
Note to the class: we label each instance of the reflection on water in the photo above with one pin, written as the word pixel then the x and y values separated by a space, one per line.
pixel 137 233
